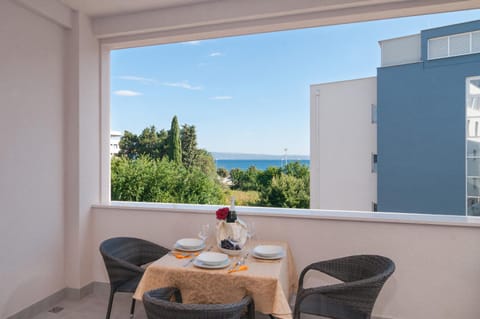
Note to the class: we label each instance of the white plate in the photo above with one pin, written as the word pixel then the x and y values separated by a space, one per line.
pixel 190 243
pixel 199 264
pixel 268 250
pixel 177 247
pixel 212 258
pixel 280 256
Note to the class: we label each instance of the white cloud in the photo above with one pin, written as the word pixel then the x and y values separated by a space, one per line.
pixel 223 97
pixel 137 78
pixel 127 93
pixel 192 42
pixel 214 54
pixel 183 85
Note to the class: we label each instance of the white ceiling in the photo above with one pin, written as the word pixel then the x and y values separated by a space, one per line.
pixel 97 8
pixel 103 8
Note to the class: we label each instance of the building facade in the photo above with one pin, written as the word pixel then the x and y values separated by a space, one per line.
pixel 115 137
pixel 428 117
pixel 343 143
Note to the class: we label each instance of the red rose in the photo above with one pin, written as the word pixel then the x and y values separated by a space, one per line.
pixel 222 212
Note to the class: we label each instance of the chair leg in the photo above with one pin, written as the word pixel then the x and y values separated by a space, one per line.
pixel 251 310
pixel 110 302
pixel 132 308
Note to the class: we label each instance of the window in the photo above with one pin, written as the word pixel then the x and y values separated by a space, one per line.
pixel 132 88
pixel 454 45
pixel 374 163
pixel 460 44
pixel 196 116
pixel 476 42
pixel 438 48
pixel 473 148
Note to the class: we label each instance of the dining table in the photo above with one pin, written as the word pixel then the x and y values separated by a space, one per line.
pixel 270 283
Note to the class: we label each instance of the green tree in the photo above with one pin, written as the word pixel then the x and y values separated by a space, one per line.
pixel 152 143
pixel 265 177
pixel 188 140
pixel 296 169
pixel 148 180
pixel 149 142
pixel 174 143
pixel 286 191
pixel 205 162
pixel 129 145
pixel 222 172
pixel 245 180
pixel 236 175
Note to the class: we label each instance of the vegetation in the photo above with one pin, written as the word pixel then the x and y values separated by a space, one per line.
pixel 161 180
pixel 246 198
pixel 174 144
pixel 168 166
pixel 222 172
pixel 287 186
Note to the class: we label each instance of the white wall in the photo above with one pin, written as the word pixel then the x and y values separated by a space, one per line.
pixel 89 147
pixel 438 268
pixel 401 50
pixel 342 140
pixel 31 160
pixel 82 156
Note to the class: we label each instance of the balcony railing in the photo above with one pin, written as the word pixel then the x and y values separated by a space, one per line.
pixel 437 257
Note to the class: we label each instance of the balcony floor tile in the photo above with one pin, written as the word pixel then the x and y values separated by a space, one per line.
pixel 94 306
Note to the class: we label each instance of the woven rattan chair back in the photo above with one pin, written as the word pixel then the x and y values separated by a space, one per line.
pixel 123 257
pixel 363 277
pixel 158 305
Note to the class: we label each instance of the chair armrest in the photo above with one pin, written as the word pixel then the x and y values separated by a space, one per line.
pixel 151 252
pixel 352 268
pixel 125 266
pixel 358 296
pixel 318 266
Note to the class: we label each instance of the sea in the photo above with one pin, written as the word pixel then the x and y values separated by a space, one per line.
pixel 259 164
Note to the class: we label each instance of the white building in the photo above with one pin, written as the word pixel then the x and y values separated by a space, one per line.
pixel 115 137
pixel 343 145
pixel 426 166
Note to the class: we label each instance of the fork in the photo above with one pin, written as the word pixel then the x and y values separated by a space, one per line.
pixel 239 263
pixel 234 265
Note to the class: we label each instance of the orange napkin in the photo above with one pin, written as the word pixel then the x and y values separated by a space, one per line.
pixel 182 256
pixel 242 267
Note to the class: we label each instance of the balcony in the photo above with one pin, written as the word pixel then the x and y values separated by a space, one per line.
pixel 54 166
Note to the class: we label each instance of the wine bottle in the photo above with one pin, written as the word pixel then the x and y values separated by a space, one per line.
pixel 232 214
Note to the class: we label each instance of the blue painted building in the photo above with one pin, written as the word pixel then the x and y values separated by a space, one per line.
pixel 428 97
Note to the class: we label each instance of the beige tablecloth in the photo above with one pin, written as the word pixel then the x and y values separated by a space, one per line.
pixel 270 283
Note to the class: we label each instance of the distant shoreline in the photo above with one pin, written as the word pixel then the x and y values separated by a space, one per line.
pixel 259 157
pixel 261 164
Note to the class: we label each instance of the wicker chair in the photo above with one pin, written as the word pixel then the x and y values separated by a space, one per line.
pixel 158 306
pixel 363 277
pixel 123 257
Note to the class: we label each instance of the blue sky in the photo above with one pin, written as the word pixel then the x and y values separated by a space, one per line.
pixel 249 94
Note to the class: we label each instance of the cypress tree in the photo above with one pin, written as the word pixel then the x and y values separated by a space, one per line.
pixel 174 144
pixel 188 139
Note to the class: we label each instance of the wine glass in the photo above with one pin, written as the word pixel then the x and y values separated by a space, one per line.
pixel 250 230
pixel 204 232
